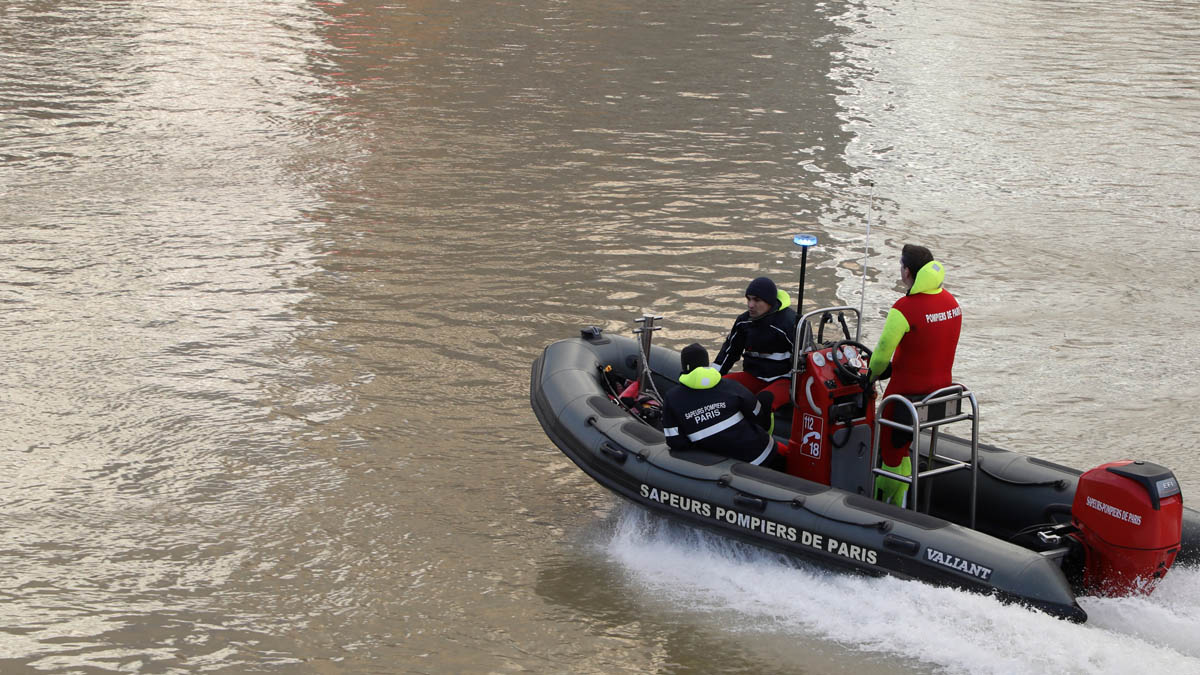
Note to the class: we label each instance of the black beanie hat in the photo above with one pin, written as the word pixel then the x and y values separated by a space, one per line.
pixel 764 289
pixel 693 356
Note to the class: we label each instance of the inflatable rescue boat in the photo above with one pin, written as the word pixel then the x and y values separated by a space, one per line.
pixel 979 517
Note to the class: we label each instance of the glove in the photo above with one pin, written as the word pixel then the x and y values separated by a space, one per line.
pixel 766 416
pixel 890 490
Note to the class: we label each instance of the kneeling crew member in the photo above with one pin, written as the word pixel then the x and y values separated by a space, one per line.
pixel 717 415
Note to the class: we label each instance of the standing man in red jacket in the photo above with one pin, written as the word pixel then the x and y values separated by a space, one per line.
pixel 919 339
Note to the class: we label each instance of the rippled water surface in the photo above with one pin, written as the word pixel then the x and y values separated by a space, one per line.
pixel 272 275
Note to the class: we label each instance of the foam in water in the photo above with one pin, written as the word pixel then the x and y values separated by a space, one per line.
pixel 950 630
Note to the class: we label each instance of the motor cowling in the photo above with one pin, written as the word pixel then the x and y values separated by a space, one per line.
pixel 1130 519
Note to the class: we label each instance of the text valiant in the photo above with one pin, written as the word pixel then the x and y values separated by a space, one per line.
pixel 956 563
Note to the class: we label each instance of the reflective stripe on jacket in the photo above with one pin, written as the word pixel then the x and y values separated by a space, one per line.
pixel 716 415
pixel 764 345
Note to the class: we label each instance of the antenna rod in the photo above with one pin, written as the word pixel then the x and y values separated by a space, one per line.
pixel 862 296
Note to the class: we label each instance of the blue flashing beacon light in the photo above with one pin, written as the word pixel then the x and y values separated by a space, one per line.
pixel 804 241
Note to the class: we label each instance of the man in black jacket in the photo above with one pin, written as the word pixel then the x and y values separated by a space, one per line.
pixel 762 338
pixel 717 415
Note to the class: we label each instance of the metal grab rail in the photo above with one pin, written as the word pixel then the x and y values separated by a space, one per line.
pixel 645 381
pixel 955 393
pixel 804 341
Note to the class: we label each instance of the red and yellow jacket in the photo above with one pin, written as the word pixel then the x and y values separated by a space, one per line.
pixel 920 336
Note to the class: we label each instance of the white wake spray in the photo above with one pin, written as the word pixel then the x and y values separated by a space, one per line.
pixel 702 576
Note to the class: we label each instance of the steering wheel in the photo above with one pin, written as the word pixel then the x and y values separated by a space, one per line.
pixel 847 371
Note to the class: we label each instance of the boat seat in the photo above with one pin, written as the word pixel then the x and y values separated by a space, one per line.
pixel 925 414
pixel 937 411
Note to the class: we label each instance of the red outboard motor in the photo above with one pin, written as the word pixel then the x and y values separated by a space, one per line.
pixel 1130 518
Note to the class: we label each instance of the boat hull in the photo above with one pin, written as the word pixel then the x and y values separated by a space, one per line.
pixel 798 517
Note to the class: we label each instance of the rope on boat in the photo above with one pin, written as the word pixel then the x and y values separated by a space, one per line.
pixel 646 364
